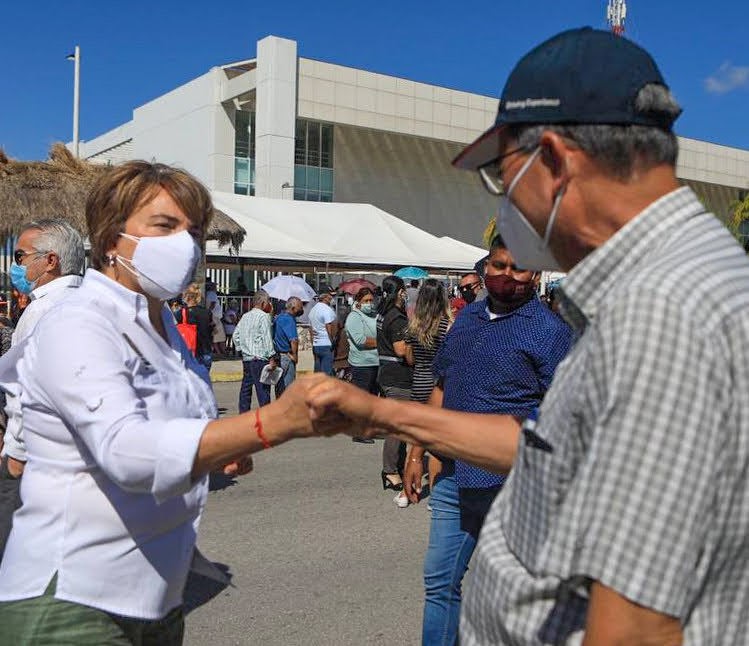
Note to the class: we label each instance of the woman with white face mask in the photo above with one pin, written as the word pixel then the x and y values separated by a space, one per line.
pixel 121 429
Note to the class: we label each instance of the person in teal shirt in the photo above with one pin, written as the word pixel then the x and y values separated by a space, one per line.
pixel 361 331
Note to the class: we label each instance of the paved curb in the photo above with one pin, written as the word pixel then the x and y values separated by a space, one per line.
pixel 222 377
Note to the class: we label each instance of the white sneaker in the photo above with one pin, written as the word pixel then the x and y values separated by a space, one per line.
pixel 401 500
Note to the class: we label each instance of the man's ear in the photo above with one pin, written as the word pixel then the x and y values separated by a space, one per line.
pixel 53 262
pixel 560 157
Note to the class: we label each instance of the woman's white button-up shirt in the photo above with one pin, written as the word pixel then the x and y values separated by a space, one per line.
pixel 112 419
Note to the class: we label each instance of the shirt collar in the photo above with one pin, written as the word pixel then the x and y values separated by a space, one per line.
pixel 592 280
pixel 58 283
pixel 119 294
pixel 483 312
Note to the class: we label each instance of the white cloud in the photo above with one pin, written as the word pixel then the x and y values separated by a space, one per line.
pixel 728 78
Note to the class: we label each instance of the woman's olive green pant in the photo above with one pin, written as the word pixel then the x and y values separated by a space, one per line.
pixel 46 621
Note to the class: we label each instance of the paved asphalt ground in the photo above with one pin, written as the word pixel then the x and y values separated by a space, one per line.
pixel 318 553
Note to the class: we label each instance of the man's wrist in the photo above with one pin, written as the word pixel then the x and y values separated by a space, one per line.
pixel 382 413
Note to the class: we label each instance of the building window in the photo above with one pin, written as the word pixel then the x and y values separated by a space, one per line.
pixel 244 152
pixel 313 161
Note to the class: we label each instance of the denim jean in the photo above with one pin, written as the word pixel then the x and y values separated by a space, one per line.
pixel 446 561
pixel 365 377
pixel 251 377
pixel 323 359
pixel 289 374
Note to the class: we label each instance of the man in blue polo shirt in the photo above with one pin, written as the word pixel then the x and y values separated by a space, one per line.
pixel 499 357
pixel 286 342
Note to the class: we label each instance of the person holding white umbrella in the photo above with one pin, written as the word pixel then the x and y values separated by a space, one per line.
pixel 285 286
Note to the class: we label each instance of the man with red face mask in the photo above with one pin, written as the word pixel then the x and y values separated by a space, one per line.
pixel 499 357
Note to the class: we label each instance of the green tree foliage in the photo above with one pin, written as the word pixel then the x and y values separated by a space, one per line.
pixel 739 222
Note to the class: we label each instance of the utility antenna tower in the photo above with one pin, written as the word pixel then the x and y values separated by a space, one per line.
pixel 616 13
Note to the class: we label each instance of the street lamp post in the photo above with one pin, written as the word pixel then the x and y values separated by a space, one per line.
pixel 76 57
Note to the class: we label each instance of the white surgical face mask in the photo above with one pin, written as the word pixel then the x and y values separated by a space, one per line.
pixel 163 265
pixel 529 249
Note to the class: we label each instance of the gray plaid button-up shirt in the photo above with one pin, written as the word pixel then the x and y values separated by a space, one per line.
pixel 636 471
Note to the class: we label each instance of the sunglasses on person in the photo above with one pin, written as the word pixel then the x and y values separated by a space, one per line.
pixel 468 288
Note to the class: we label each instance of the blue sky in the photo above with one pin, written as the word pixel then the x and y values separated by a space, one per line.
pixel 135 51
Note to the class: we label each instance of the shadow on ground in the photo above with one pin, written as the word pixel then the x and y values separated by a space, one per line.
pixel 201 589
pixel 219 481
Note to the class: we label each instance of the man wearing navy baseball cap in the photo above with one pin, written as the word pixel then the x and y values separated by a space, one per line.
pixel 626 517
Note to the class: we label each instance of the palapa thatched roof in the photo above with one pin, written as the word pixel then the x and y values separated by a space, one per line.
pixel 58 187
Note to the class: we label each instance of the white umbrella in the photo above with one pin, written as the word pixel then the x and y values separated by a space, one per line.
pixel 284 287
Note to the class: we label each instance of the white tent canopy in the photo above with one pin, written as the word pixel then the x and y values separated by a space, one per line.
pixel 336 233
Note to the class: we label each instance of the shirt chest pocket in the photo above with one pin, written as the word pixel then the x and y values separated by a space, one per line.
pixel 545 465
pixel 551 434
pixel 149 382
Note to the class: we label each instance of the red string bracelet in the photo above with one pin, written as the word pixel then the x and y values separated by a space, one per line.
pixel 259 430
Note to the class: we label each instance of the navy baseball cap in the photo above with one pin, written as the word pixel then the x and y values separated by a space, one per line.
pixel 581 76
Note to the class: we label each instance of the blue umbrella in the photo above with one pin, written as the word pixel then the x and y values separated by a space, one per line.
pixel 411 273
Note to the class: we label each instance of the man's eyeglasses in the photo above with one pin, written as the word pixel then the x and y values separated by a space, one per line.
pixel 20 254
pixel 490 172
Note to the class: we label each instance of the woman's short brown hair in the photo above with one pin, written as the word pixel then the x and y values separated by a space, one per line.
pixel 126 187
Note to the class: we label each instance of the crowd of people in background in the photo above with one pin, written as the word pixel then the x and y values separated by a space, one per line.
pixel 383 339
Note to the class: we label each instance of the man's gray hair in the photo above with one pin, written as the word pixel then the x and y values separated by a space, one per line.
pixel 619 148
pixel 293 302
pixel 260 298
pixel 57 236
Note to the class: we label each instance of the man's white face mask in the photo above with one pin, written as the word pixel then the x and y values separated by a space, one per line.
pixel 529 249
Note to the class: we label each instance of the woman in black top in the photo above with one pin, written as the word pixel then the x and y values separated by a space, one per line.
pixel 395 374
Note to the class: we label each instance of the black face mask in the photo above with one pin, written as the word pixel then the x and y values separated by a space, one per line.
pixel 467 294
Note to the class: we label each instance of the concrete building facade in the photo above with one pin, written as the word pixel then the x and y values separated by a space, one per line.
pixel 288 127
